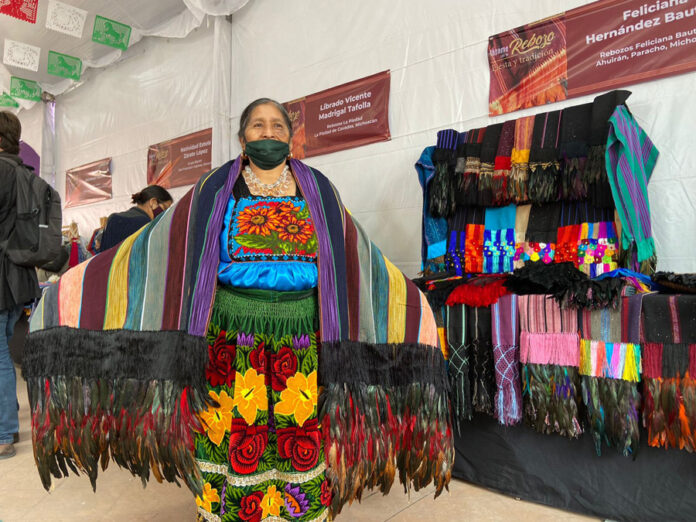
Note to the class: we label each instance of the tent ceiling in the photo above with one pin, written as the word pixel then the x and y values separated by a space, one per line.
pixel 146 18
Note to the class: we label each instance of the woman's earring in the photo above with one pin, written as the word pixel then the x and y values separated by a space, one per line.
pixel 244 156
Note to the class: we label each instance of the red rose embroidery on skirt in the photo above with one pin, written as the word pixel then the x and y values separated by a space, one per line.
pixel 247 444
pixel 301 445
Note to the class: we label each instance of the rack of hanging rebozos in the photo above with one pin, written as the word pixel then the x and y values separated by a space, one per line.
pixel 539 263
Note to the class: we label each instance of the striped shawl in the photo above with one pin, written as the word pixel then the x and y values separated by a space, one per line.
pixel 116 356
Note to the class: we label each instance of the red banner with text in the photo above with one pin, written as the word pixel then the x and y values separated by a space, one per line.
pixel 88 183
pixel 343 117
pixel 181 161
pixel 596 47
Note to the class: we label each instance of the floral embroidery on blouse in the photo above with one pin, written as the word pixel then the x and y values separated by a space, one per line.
pixel 272 229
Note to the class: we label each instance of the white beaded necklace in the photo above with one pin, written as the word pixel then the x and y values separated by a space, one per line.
pixel 279 187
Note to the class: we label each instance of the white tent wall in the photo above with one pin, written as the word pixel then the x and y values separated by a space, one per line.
pixel 437 54
pixel 164 89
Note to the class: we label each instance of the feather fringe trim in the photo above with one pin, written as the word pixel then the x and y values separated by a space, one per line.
pixel 81 424
pixel 517 185
pixel 543 182
pixel 612 413
pixel 371 431
pixel 572 183
pixel 669 412
pixel 551 396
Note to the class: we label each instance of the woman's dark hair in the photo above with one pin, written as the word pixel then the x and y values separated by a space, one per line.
pixel 152 191
pixel 246 115
pixel 10 132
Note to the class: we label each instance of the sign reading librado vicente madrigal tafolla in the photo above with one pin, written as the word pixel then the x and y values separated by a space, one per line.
pixel 343 117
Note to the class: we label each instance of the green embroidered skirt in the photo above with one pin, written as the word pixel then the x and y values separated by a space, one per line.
pixel 261 454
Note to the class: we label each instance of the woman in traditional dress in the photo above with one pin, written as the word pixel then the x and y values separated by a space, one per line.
pixel 322 370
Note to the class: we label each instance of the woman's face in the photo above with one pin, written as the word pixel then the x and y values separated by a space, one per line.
pixel 266 123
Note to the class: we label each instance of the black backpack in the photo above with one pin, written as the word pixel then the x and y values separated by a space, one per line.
pixel 37 236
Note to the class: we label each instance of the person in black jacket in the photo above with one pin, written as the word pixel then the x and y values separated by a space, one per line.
pixel 148 203
pixel 18 284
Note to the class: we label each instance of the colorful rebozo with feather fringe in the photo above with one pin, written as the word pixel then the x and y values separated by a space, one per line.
pixel 669 370
pixel 550 357
pixel 610 366
pixel 115 361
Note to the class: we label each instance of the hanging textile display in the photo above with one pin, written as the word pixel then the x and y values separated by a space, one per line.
pixel 489 147
pixel 459 352
pixel 442 186
pixel 506 357
pixel 544 167
pixel 595 173
pixel 499 240
pixel 669 370
pixel 550 357
pixel 519 159
pixel 468 188
pixel 610 368
pixel 631 158
pixel 503 164
pixel 473 242
pixel 575 133
pixel 434 230
pixel 542 231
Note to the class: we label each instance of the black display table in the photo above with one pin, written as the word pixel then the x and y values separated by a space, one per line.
pixel 552 470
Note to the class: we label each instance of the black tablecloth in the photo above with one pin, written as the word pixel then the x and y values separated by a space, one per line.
pixel 549 469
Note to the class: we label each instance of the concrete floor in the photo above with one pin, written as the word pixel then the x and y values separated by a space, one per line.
pixel 120 497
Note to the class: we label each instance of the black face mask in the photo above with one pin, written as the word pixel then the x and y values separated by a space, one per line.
pixel 267 154
pixel 156 212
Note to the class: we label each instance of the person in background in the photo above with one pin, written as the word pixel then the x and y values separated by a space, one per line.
pixel 149 202
pixel 18 284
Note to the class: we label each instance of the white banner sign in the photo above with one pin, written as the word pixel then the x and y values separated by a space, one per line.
pixel 22 55
pixel 65 18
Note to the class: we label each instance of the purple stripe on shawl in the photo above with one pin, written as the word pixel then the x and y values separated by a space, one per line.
pixel 210 257
pixel 327 272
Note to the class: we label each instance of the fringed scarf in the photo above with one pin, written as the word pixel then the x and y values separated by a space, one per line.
pixel 519 160
pixel 502 165
pixel 482 369
pixel 471 368
pixel 587 237
pixel 610 368
pixel 458 367
pixel 549 353
pixel 456 241
pixel 669 370
pixel 473 242
pixel 521 224
pixel 115 362
pixel 506 356
pixel 442 187
pixel 631 158
pixel 434 233
pixel 541 233
pixel 499 240
pixel 544 167
pixel 469 180
pixel 489 147
pixel 595 173
pixel 575 133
